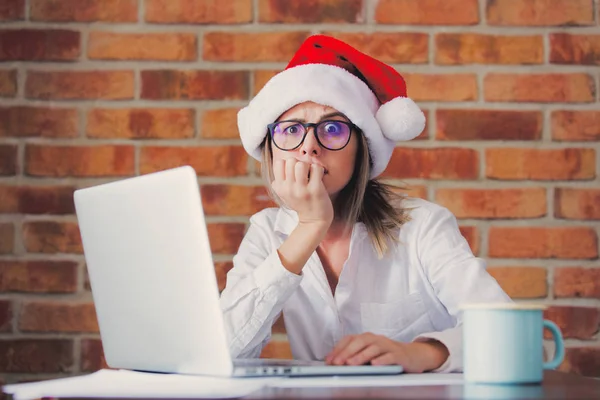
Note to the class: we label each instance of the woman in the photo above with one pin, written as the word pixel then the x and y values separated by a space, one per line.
pixel 361 274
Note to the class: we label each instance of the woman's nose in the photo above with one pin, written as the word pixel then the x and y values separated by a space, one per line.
pixel 310 146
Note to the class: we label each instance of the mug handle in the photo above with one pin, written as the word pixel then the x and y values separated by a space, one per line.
pixel 559 353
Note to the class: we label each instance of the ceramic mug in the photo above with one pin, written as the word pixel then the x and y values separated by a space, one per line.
pixel 503 343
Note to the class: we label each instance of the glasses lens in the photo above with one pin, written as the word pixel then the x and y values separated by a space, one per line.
pixel 333 134
pixel 288 135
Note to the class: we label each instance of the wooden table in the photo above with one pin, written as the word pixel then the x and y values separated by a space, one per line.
pixel 556 385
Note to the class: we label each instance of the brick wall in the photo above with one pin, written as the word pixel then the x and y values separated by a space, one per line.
pixel 97 90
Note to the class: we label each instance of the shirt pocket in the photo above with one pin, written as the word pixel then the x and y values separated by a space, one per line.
pixel 401 320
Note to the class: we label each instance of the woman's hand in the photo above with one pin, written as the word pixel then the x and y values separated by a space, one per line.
pixel 303 194
pixel 380 350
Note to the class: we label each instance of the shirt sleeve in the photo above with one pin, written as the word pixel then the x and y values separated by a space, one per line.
pixel 257 287
pixel 457 277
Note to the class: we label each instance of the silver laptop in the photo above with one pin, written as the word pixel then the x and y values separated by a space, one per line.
pixel 154 285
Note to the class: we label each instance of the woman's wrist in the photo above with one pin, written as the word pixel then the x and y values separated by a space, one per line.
pixel 431 354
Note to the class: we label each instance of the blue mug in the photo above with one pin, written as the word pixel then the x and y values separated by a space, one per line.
pixel 503 343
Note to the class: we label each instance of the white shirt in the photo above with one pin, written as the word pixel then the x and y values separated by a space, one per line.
pixel 411 294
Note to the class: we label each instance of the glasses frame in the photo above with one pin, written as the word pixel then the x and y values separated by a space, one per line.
pixel 307 126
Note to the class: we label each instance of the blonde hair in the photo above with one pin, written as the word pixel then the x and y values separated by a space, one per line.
pixel 376 204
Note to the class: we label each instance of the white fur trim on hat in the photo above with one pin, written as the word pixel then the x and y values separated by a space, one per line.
pixel 401 119
pixel 324 84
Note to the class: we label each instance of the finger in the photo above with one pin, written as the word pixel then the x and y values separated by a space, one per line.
pixel 338 347
pixel 355 346
pixel 290 165
pixel 278 170
pixel 301 172
pixel 316 174
pixel 384 359
pixel 366 355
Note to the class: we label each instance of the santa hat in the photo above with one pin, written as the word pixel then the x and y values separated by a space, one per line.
pixel 330 72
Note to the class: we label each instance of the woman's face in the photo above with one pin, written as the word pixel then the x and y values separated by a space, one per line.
pixel 338 164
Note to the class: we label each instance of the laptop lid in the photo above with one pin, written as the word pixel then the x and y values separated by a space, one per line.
pixel 152 275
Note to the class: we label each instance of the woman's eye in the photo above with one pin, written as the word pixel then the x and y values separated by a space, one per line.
pixel 332 128
pixel 292 130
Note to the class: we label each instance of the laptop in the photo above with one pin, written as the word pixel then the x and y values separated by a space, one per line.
pixel 154 285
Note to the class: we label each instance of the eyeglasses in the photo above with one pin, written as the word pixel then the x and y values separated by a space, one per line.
pixel 331 134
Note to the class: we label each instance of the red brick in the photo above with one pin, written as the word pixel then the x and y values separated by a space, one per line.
pixel 574 49
pixel 140 123
pixel 433 163
pixel 261 77
pixel 542 242
pixel 194 85
pixel 92 355
pixel 84 10
pixel 310 12
pixel 220 124
pixel 24 121
pixel 58 317
pixel 251 46
pixel 473 124
pixel 475 48
pixel 581 204
pixel 8 83
pixel 471 234
pixel 8 159
pixel 7 237
pixel 52 237
pixel 79 85
pixel 521 282
pixel 581 125
pixel 6 316
pixel 539 88
pixel 277 349
pixel 419 191
pixel 389 47
pixel 583 361
pixel 494 203
pixel 38 276
pixel 226 238
pixel 199 11
pixel 540 164
pixel 540 12
pixel 221 270
pixel 207 161
pixel 577 282
pixel 234 199
pixel 12 10
pixel 574 322
pixel 441 87
pixel 142 46
pixel 37 199
pixel 39 45
pixel 36 355
pixel 79 161
pixel 427 12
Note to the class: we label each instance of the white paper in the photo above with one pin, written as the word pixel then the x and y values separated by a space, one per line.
pixel 427 379
pixel 124 383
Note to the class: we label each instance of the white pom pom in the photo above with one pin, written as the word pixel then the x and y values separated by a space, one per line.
pixel 401 119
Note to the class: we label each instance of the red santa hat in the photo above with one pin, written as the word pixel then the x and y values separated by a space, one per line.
pixel 328 71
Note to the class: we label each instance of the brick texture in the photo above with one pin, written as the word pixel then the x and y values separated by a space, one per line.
pixel 562 242
pixel 313 11
pixel 8 83
pixel 494 203
pixel 39 45
pixel 84 10
pixel 521 282
pixel 576 125
pixel 540 12
pixel 198 11
pixel 93 91
pixel 140 123
pixel 452 49
pixel 427 12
